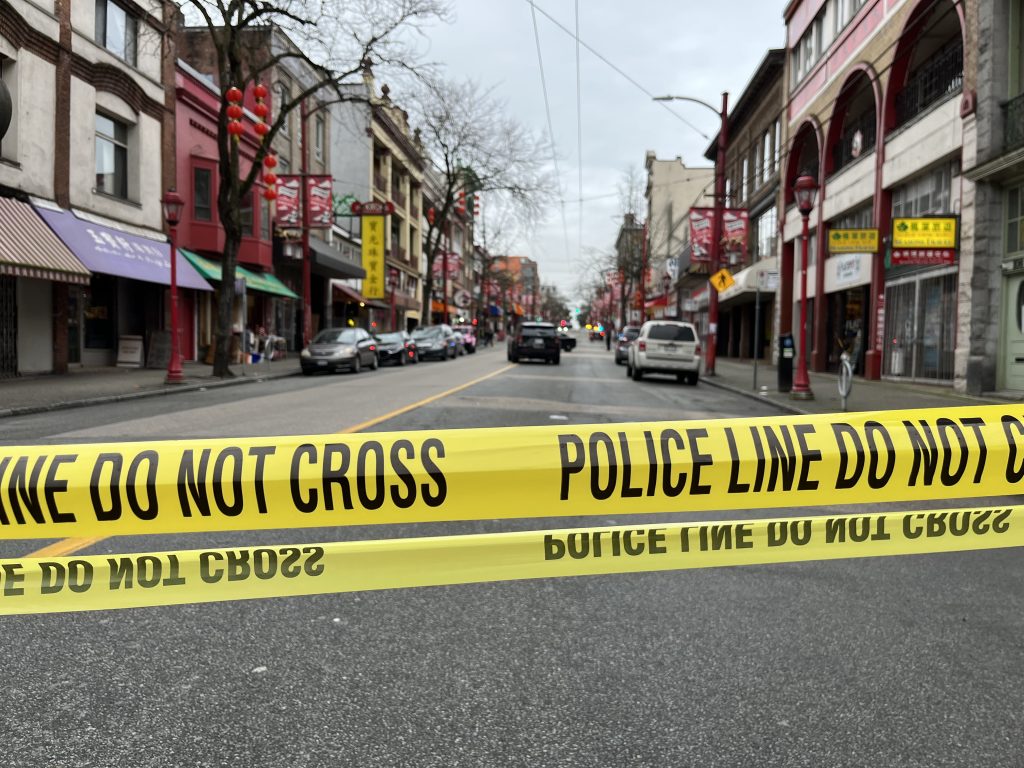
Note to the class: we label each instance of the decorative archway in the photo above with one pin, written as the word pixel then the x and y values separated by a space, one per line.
pixel 852 131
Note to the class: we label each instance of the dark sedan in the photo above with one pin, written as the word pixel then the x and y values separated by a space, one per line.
pixel 396 348
pixel 437 341
pixel 626 337
pixel 340 349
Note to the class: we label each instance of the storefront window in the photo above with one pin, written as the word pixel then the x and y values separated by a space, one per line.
pixel 1015 220
pixel 99 301
pixel 767 226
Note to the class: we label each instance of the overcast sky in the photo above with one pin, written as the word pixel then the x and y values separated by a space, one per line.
pixel 682 47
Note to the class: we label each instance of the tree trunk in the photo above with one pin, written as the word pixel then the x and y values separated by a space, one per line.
pixel 225 306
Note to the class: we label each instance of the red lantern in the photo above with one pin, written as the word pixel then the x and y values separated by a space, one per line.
pixel 259 91
pixel 270 179
pixel 234 111
pixel 269 193
pixel 261 110
pixel 262 129
pixel 269 161
pixel 233 95
pixel 235 128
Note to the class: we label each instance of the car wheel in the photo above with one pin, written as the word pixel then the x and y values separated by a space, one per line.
pixel 356 365
pixel 637 373
pixel 557 359
pixel 403 358
pixel 307 372
pixel 629 371
pixel 693 379
pixel 375 364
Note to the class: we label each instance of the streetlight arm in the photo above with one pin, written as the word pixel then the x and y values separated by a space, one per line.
pixel 688 98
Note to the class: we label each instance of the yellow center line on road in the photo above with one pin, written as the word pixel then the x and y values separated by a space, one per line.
pixel 70 546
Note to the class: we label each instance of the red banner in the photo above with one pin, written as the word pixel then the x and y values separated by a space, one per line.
pixel 922 256
pixel 735 231
pixel 288 211
pixel 321 210
pixel 454 265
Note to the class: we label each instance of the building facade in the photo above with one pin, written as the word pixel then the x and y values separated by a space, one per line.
pixel 880 111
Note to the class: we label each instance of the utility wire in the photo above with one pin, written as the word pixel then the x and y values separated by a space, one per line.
pixel 579 135
pixel 551 134
pixel 616 69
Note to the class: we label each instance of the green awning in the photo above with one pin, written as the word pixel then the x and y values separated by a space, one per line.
pixel 254 281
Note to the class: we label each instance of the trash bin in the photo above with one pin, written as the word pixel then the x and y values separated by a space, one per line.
pixel 787 351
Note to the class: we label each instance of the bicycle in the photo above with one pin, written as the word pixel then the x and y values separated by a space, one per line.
pixel 845 377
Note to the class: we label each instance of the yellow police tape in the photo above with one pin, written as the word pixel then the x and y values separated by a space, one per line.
pixel 402 477
pixel 203 576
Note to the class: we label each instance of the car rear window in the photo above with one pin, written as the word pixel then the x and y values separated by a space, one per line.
pixel 671 333
pixel 535 331
pixel 631 333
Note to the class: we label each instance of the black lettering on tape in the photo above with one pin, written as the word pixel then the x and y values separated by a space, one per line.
pixel 783 459
pixel 554 549
pixel 432 498
pixel 670 487
pixel 1014 470
pixel 333 475
pixel 807 457
pixel 871 429
pixel 234 455
pixel 926 452
pixel 261 452
pixel 365 477
pixel 628 491
pixel 405 477
pixel 305 452
pixel 55 485
pixel 600 493
pixel 976 425
pixel 735 486
pixel 313 565
pixel 949 475
pixel 192 483
pixel 843 433
pixel 210 569
pixel 570 466
pixel 148 512
pixel 12 577
pixel 289 557
pixel 652 463
pixel 23 490
pixel 700 460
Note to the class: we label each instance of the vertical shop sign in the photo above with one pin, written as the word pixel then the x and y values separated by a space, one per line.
pixel 373 257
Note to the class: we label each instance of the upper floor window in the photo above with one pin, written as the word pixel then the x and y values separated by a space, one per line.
pixel 746 178
pixel 808 49
pixel 111 156
pixel 1015 220
pixel 928 194
pixel 202 194
pixel 116 30
pixel 767 166
pixel 245 214
pixel 845 10
pixel 318 137
pixel 282 92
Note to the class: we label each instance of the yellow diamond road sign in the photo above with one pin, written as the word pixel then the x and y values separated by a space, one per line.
pixel 722 279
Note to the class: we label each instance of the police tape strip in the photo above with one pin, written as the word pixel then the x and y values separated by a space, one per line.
pixel 469 474
pixel 204 576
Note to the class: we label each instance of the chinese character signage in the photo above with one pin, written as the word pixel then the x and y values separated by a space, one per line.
pixel 319 191
pixel 287 204
pixel 373 257
pixel 735 228
pixel 923 257
pixel 853 241
pixel 928 232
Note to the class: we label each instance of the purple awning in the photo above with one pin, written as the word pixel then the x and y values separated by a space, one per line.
pixel 113 252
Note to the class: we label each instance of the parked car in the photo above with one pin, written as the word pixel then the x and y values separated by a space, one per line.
pixel 398 348
pixel 566 338
pixel 625 338
pixel 337 349
pixel 435 341
pixel 535 340
pixel 468 336
pixel 665 346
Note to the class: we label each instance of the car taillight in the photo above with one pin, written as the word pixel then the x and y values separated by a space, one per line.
pixel 642 346
pixel 696 350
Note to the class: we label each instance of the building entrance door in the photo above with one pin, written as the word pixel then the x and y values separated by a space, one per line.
pixel 1013 332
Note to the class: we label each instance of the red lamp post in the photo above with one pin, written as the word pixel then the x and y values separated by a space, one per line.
pixel 173 204
pixel 805 190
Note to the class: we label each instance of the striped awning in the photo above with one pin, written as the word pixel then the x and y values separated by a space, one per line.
pixel 29 248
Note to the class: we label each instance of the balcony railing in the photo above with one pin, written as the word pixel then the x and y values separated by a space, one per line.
pixel 398 198
pixel 1014 122
pixel 381 181
pixel 938 77
pixel 843 151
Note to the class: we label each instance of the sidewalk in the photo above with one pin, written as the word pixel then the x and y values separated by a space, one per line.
pixel 737 376
pixel 93 386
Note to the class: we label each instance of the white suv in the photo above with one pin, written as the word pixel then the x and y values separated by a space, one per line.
pixel 665 346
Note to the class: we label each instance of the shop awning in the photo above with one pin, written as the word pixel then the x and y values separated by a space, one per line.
pixel 328 262
pixel 347 294
pixel 110 251
pixel 747 281
pixel 28 248
pixel 254 281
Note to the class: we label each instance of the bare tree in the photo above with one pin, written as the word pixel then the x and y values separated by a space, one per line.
pixel 476 148
pixel 332 41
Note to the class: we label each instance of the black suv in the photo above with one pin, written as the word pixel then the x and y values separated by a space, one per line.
pixel 537 340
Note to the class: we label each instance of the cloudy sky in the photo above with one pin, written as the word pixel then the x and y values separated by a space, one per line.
pixel 684 47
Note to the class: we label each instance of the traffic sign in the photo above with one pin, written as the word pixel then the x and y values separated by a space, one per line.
pixel 722 279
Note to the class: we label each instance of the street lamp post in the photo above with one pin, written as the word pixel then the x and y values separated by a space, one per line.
pixel 716 225
pixel 805 190
pixel 173 204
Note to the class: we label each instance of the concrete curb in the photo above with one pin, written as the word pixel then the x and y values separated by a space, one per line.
pixel 192 386
pixel 784 407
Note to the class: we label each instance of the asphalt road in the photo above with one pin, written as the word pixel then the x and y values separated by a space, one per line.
pixel 914 661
